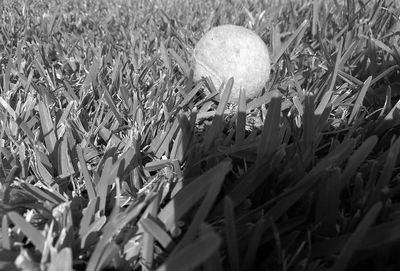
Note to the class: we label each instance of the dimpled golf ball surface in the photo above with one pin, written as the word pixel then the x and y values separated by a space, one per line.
pixel 233 51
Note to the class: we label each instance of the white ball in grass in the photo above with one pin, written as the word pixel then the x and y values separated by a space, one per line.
pixel 233 51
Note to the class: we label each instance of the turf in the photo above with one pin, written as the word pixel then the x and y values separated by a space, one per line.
pixel 113 158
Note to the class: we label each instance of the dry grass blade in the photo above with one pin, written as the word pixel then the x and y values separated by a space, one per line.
pixel 194 254
pixel 356 238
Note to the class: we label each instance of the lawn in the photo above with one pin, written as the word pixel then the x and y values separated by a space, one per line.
pixel 112 157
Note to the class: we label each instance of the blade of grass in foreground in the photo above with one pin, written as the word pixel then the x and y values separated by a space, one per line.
pixel 269 140
pixel 205 207
pixel 62 261
pixel 290 197
pixel 5 238
pixel 387 171
pixel 328 203
pixel 356 238
pixel 231 235
pixel 189 195
pixel 153 229
pixel 255 239
pixel 194 254
pixel 357 158
pixel 33 234
pixel 113 226
pixel 379 236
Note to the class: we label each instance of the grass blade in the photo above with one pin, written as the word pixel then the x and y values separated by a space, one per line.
pixel 231 235
pixel 33 234
pixel 194 254
pixel 360 98
pixel 270 135
pixel 189 195
pixel 356 238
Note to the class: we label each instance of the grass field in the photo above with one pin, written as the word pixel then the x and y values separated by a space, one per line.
pixel 113 158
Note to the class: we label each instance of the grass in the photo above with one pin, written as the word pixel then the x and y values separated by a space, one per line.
pixel 113 158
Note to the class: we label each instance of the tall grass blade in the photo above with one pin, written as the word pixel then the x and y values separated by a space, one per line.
pixel 33 234
pixel 193 254
pixel 356 238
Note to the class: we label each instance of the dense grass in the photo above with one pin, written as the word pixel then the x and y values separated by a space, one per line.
pixel 113 158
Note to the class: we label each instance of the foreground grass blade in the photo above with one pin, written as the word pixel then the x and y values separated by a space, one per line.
pixel 356 238
pixel 270 135
pixel 376 238
pixel 153 231
pixel 62 261
pixel 206 204
pixel 249 259
pixel 194 254
pixel 231 235
pixel 189 195
pixel 153 228
pixel 33 234
pixel 387 171
pixel 357 158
